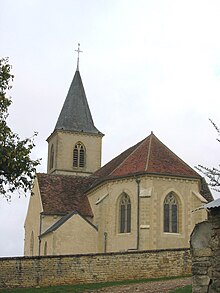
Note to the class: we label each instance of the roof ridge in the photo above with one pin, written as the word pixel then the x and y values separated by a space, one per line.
pixel 149 151
pixel 179 159
pixel 136 148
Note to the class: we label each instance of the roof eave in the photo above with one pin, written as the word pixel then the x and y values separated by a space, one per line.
pixel 137 174
pixel 74 131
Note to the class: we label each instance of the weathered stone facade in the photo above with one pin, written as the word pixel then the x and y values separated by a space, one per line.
pixel 205 246
pixel 93 268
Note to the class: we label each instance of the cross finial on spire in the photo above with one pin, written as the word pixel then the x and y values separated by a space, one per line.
pixel 78 51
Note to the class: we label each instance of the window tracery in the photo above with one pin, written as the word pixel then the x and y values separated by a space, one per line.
pixel 125 214
pixel 171 213
pixel 79 155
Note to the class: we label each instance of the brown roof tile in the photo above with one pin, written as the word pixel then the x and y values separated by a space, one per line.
pixel 148 156
pixel 61 194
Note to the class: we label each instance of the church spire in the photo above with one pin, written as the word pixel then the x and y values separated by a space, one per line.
pixel 75 146
pixel 75 114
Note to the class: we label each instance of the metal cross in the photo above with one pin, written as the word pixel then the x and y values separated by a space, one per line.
pixel 78 51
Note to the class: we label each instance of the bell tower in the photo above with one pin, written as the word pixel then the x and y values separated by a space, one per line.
pixel 75 145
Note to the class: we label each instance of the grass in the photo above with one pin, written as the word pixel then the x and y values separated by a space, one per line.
pixel 186 289
pixel 83 287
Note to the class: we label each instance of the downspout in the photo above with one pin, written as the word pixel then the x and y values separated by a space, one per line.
pixel 40 234
pixel 105 241
pixel 138 211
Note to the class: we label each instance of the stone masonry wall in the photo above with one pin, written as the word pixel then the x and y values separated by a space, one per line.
pixel 205 246
pixel 92 268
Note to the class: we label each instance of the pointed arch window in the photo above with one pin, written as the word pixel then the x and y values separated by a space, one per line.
pixel 52 157
pixel 171 213
pixel 79 155
pixel 125 214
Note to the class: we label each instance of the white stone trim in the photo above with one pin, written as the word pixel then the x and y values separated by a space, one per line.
pixel 200 197
pixel 146 192
pixel 101 198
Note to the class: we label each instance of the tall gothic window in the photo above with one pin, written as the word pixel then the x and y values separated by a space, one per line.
pixel 79 155
pixel 52 157
pixel 125 214
pixel 170 214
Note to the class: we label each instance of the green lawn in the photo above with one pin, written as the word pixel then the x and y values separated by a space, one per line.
pixel 83 287
pixel 186 289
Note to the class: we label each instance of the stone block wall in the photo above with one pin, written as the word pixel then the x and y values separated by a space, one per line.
pixel 205 249
pixel 93 268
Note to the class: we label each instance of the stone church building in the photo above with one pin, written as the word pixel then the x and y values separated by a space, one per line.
pixel 142 199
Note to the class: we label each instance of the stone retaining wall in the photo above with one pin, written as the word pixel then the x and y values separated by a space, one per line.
pixel 205 245
pixel 92 268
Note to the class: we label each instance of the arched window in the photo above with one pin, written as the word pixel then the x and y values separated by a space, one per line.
pixel 125 214
pixel 79 155
pixel 51 157
pixel 32 244
pixel 170 213
pixel 45 248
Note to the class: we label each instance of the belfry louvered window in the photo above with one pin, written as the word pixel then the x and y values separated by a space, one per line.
pixel 170 213
pixel 79 155
pixel 125 214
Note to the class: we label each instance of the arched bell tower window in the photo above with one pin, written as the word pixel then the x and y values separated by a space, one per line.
pixel 79 154
pixel 125 214
pixel 52 157
pixel 171 213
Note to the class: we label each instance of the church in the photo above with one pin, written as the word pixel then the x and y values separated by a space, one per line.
pixel 141 200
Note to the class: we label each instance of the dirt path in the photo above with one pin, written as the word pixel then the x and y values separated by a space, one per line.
pixel 150 287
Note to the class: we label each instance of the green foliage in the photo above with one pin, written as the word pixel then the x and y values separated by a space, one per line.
pixel 212 174
pixel 17 170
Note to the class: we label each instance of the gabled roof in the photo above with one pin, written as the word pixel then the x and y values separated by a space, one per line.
pixel 149 156
pixel 61 221
pixel 61 194
pixel 75 114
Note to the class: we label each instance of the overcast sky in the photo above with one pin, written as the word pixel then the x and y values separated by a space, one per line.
pixel 151 65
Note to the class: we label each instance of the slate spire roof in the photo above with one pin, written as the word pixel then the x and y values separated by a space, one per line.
pixel 75 114
pixel 148 156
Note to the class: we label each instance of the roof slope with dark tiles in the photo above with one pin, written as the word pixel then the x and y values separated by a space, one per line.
pixel 75 114
pixel 61 194
pixel 148 156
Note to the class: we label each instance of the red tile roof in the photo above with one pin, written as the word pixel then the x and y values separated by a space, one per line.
pixel 61 194
pixel 149 156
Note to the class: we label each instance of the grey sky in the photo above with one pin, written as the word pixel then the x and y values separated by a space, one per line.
pixel 146 66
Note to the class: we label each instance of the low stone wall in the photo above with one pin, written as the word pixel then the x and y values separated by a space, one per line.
pixel 92 268
pixel 205 246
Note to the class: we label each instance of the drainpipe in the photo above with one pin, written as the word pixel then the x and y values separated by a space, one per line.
pixel 40 234
pixel 105 241
pixel 138 211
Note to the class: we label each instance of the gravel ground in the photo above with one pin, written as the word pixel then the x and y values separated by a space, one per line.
pixel 151 287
